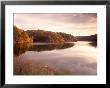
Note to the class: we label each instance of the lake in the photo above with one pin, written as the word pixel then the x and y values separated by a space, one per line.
pixel 78 58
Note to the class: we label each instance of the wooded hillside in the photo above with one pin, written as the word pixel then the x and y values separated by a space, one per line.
pixel 21 36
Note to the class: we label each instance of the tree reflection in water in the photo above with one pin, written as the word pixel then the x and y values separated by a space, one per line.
pixel 49 47
pixel 29 67
pixel 94 44
pixel 20 48
pixel 77 60
pixel 22 67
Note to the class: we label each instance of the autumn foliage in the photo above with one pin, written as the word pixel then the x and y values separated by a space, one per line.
pixel 21 36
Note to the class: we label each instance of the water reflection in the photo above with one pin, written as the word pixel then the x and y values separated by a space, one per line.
pixel 29 67
pixel 94 44
pixel 49 47
pixel 20 48
pixel 62 59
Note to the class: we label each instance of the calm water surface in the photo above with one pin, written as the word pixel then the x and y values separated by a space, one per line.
pixel 79 58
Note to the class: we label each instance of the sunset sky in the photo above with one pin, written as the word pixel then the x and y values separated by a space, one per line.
pixel 77 24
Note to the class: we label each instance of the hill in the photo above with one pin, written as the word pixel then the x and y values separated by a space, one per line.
pixel 87 38
pixel 21 36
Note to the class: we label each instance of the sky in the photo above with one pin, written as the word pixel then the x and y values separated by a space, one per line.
pixel 77 24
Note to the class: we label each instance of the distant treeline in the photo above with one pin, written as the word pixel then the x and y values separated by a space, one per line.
pixel 87 38
pixel 29 36
pixel 21 36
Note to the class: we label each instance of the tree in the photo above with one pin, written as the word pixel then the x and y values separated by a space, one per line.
pixel 21 36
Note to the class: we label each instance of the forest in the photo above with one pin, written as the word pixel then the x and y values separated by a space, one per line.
pixel 92 38
pixel 42 36
pixel 29 36
pixel 20 36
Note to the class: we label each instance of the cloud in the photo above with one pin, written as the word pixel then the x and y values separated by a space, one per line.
pixel 63 22
pixel 68 18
